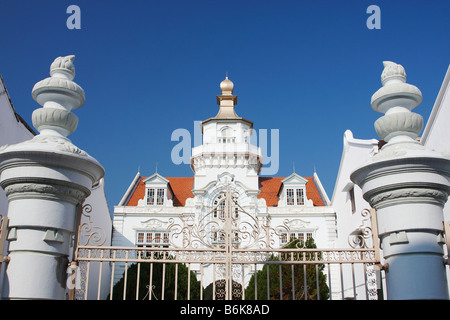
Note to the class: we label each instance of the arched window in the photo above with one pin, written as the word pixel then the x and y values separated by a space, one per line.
pixel 219 207
pixel 227 135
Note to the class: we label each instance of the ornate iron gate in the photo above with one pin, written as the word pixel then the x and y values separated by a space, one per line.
pixel 228 249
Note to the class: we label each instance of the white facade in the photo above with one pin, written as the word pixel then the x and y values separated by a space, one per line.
pixel 225 159
pixel 347 197
pixel 349 204
pixel 436 130
pixel 13 129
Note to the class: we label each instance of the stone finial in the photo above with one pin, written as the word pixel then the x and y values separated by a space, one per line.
pixel 62 67
pixel 396 99
pixel 58 95
pixel 392 71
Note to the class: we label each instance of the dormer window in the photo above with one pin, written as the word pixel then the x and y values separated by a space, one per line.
pixel 157 192
pixel 155 196
pixel 295 196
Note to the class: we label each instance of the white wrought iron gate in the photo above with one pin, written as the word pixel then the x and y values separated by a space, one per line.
pixel 236 255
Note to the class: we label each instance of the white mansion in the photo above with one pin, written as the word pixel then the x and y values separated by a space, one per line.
pixel 188 212
pixel 296 206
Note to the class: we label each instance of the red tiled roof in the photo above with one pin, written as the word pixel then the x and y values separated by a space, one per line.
pixel 138 193
pixel 182 186
pixel 270 187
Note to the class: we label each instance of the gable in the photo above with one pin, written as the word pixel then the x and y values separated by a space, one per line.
pixel 155 179
pixel 270 188
pixel 181 188
pixel 294 179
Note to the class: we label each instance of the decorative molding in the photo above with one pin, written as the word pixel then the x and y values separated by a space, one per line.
pixel 298 224
pixel 380 199
pixel 62 144
pixel 153 224
pixel 409 122
pixel 54 117
pixel 44 188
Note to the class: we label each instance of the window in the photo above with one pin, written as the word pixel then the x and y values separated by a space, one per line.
pixel 155 197
pixel 227 140
pixel 150 196
pixel 140 237
pixel 300 197
pixel 300 235
pixel 219 207
pixel 157 240
pixel 219 236
pixel 295 196
pixel 152 239
pixel 160 197
pixel 283 238
pixel 290 197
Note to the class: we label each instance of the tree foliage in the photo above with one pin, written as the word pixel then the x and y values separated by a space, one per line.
pixel 269 276
pixel 157 276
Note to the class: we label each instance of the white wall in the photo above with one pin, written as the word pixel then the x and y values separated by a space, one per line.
pixel 437 132
pixel 13 129
pixel 355 153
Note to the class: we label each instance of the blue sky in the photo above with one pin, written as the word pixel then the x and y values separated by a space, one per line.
pixel 306 68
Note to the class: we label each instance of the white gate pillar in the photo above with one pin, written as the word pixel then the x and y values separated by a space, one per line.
pixel 408 185
pixel 46 179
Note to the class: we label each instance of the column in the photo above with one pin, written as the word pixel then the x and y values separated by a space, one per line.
pixel 46 179
pixel 408 185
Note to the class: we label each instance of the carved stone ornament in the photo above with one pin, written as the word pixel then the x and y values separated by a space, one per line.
pixel 396 99
pixel 407 123
pixel 406 194
pixel 54 117
pixel 75 195
pixel 60 88
pixel 153 224
pixel 296 224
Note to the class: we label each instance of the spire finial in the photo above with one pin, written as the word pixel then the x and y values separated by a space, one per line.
pixel 226 86
pixel 396 99
pixel 58 95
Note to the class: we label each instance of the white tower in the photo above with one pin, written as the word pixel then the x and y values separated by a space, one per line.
pixel 226 147
pixel 408 185
pixel 46 179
